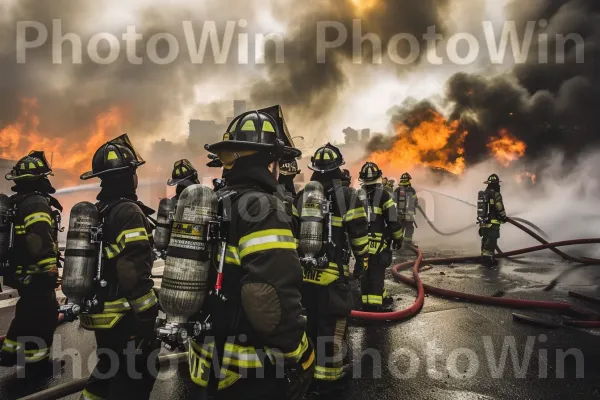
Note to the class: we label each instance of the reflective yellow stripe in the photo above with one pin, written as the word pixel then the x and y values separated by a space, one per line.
pixel 37 217
pixel 132 235
pixel 116 306
pixel 336 221
pixel 324 276
pixel 360 241
pixel 112 250
pixel 327 374
pixel 47 261
pixel 295 355
pixel 372 299
pixel 228 378
pixel 36 269
pixel 240 356
pixel 378 211
pixel 10 346
pixel 268 239
pixel 295 211
pixel 355 214
pixel 145 302
pixel 199 362
pixel 36 355
pixel 100 321
pixel 87 395
pixel 388 204
pixel 231 256
pixel 399 234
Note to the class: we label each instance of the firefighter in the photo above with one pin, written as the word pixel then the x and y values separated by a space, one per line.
pixel 388 185
pixel 124 320
pixel 33 263
pixel 262 276
pixel 326 325
pixel 385 231
pixel 489 227
pixel 407 200
pixel 347 178
pixel 184 174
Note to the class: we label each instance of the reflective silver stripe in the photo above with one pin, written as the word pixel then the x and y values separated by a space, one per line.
pixel 145 302
pixel 133 235
pixel 36 355
pixel 265 240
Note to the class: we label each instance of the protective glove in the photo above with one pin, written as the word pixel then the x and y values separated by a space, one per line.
pixel 396 244
pixel 504 220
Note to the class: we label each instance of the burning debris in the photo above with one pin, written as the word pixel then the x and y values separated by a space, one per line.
pixel 423 137
pixel 506 148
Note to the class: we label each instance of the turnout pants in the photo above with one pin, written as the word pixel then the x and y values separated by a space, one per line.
pixel 327 332
pixel 29 338
pixel 372 284
pixel 489 239
pixel 409 230
pixel 127 360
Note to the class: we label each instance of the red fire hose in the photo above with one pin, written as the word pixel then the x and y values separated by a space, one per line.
pixel 515 303
pixel 489 300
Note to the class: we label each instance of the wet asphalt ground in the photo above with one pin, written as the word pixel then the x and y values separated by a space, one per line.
pixel 451 350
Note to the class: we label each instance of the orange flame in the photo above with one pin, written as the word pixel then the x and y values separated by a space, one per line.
pixel 434 142
pixel 22 136
pixel 506 148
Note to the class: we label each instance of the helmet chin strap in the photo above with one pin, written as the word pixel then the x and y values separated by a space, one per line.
pixel 275 169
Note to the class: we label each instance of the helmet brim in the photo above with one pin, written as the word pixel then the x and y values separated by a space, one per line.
pixel 489 182
pixel 323 170
pixel 371 181
pixel 26 177
pixel 90 174
pixel 290 173
pixel 232 145
pixel 175 182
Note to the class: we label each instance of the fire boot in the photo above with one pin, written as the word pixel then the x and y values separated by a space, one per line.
pixel 328 388
pixel 489 261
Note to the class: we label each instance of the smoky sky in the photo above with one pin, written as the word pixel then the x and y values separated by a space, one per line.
pixel 154 96
pixel 548 105
pixel 311 87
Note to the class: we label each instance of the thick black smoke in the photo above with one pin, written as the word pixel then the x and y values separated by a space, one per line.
pixel 548 105
pixel 310 87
